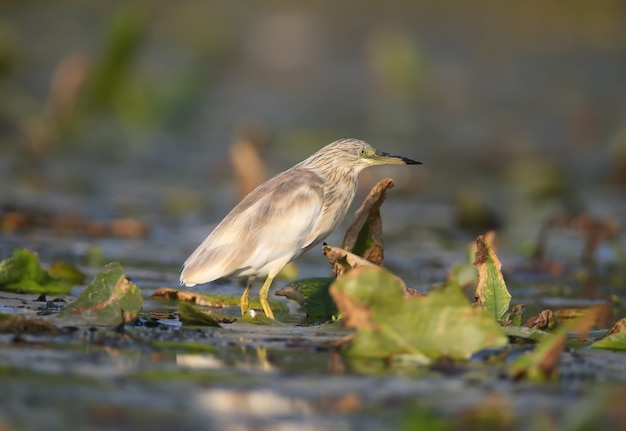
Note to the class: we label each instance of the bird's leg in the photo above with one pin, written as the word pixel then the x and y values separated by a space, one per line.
pixel 245 298
pixel 263 294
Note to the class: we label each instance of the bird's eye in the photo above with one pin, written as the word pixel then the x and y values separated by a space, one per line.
pixel 362 151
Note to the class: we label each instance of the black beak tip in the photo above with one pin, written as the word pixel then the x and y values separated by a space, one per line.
pixel 410 161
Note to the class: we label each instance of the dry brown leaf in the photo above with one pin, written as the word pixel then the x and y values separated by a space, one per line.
pixel 244 156
pixel 368 216
pixel 342 260
pixel 604 314
pixel 193 297
pixel 544 320
pixel 69 222
pixel 619 327
pixel 548 363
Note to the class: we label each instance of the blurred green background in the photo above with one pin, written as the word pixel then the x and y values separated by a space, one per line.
pixel 128 108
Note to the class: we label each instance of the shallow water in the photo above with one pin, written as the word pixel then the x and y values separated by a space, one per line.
pixel 516 109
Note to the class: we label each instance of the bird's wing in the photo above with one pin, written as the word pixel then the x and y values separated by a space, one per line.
pixel 263 232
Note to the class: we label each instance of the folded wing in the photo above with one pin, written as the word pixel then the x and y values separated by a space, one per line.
pixel 266 230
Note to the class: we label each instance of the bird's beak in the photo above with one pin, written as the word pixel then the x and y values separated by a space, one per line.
pixel 381 158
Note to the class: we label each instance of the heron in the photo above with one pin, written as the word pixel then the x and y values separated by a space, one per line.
pixel 284 217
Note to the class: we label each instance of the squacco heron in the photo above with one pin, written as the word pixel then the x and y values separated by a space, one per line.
pixel 284 217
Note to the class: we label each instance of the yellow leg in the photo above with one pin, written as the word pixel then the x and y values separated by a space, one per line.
pixel 245 298
pixel 263 294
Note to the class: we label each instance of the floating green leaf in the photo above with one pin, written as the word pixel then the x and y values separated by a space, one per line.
pixel 491 292
pixel 67 272
pixel 251 316
pixel 102 302
pixel 190 315
pixel 22 273
pixel 442 323
pixel 615 341
pixel 312 295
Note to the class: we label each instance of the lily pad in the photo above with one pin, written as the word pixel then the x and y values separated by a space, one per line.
pixel 312 295
pixel 22 273
pixel 255 318
pixel 106 298
pixel 190 315
pixel 442 323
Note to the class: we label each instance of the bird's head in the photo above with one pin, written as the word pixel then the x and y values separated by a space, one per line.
pixel 357 154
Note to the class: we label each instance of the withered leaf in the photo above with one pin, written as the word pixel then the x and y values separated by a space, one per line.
pixel 343 261
pixel 618 328
pixel 546 320
pixel 364 237
pixel 541 363
pixel 247 162
pixel 604 314
pixel 491 292
pixel 615 339
pixel 514 317
pixel 216 301
pixel 194 297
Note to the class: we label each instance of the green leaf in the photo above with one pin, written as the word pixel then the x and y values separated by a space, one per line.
pixel 22 273
pixel 615 341
pixel 312 295
pixel 190 315
pixel 67 272
pixel 255 318
pixel 102 302
pixel 491 292
pixel 442 323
